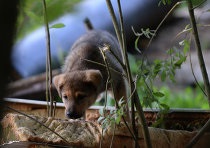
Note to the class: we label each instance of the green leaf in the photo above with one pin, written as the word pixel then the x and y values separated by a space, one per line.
pixel 163 76
pixel 58 25
pixel 186 46
pixel 158 94
pixel 118 119
pixel 145 72
pixel 197 2
pixel 164 2
pixel 157 68
pixel 180 61
pixel 165 108
pixel 170 51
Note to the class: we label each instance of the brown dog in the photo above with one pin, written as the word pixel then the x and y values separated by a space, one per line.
pixel 85 75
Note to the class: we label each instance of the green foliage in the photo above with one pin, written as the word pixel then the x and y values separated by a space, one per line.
pixel 198 2
pixel 147 33
pixel 149 71
pixel 187 98
pixel 109 119
pixel 165 2
pixel 194 2
pixel 30 11
pixel 58 25
pixel 163 97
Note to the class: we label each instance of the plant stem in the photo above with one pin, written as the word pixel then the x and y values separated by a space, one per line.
pixel 203 71
pixel 199 134
pixel 135 98
pixel 199 50
pixel 114 21
pixel 109 80
pixel 48 62
pixel 112 69
pixel 130 81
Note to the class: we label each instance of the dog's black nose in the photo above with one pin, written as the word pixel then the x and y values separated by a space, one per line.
pixel 73 115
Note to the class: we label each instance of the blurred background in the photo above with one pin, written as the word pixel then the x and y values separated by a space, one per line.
pixel 168 52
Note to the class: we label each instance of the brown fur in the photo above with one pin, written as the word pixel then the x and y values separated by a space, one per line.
pixel 82 81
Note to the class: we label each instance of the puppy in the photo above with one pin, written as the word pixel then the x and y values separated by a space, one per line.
pixel 85 75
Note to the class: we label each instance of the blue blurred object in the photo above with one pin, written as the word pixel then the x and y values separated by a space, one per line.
pixel 29 54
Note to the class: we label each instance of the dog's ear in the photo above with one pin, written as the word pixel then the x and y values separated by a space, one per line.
pixel 58 81
pixel 94 76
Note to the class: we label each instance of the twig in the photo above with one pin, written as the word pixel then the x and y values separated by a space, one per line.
pixel 196 81
pixel 199 4
pixel 112 69
pixel 108 72
pixel 101 140
pixel 48 62
pixel 54 109
pixel 105 104
pixel 110 80
pixel 114 21
pixel 199 134
pixel 178 3
pixel 203 70
pixel 113 135
pixel 118 59
pixel 135 97
pixel 127 66
pixel 199 50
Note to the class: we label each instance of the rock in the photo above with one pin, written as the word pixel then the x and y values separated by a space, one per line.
pixel 76 132
pixel 88 134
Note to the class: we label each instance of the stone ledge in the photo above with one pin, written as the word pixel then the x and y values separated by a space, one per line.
pixel 88 134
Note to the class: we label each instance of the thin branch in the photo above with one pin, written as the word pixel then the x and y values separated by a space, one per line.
pixel 101 140
pixel 158 27
pixel 135 97
pixel 113 135
pixel 121 74
pixel 199 4
pixel 127 66
pixel 203 70
pixel 110 79
pixel 108 72
pixel 118 59
pixel 48 61
pixel 196 81
pixel 115 24
pixel 199 50
pixel 199 134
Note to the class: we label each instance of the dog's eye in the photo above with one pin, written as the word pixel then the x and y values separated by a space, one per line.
pixel 81 96
pixel 65 97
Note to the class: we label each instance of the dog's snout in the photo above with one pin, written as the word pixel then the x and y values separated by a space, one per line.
pixel 73 115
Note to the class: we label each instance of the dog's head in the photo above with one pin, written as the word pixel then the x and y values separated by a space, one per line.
pixel 78 90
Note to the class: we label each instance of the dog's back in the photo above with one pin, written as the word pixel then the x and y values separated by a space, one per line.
pixel 85 54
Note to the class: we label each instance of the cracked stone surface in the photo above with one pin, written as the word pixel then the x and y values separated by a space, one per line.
pixel 76 132
pixel 88 134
